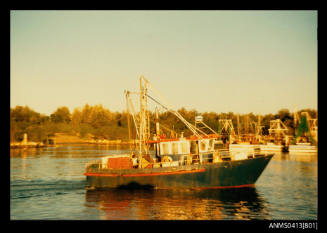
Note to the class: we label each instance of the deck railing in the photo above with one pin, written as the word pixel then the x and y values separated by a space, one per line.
pixel 213 157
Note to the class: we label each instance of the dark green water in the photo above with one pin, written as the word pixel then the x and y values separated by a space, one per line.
pixel 49 184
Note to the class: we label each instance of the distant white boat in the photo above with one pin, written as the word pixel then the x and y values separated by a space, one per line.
pixel 271 147
pixel 251 147
pixel 303 147
pixel 244 147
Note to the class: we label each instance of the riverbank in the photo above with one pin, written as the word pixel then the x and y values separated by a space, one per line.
pixel 20 145
pixel 64 138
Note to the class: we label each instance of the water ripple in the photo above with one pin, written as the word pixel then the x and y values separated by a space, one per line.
pixel 49 184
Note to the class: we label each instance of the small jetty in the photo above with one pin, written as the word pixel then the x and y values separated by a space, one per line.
pixel 111 142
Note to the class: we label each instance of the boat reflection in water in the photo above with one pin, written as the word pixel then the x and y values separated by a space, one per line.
pixel 184 204
pixel 298 157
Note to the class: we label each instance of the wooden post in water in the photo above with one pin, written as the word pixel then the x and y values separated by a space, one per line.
pixel 25 139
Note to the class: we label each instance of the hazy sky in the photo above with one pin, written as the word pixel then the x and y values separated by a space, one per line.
pixel 221 61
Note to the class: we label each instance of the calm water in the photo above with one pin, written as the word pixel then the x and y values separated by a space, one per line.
pixel 48 183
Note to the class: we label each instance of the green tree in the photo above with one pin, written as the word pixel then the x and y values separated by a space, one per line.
pixel 62 114
pixel 76 119
pixel 21 119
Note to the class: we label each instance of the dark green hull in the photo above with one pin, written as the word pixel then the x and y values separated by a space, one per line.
pixel 227 174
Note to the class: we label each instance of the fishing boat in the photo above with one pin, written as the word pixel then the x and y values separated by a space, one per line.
pixel 198 161
pixel 306 138
pixel 275 142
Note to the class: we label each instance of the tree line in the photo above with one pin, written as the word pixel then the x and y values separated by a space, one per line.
pixel 98 122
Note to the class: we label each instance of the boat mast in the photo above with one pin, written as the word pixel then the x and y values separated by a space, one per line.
pixel 157 137
pixel 157 123
pixel 128 120
pixel 170 109
pixel 238 127
pixel 144 115
pixel 144 120
pixel 258 130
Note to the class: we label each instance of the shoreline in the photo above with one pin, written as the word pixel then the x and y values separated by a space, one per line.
pixel 18 145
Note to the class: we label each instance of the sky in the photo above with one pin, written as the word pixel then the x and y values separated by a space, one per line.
pixel 220 61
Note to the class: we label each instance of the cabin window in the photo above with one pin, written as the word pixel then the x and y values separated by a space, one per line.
pixel 184 148
pixel 165 149
pixel 203 146
pixel 175 148
pixel 193 147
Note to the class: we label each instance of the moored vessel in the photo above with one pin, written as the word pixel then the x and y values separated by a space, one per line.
pixel 306 138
